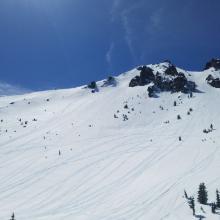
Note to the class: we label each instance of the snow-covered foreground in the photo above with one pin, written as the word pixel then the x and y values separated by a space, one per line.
pixel 63 154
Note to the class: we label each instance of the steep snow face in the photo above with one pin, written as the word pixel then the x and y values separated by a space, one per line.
pixel 112 154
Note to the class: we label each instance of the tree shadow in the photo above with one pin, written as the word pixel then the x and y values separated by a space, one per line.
pixel 155 96
pixel 200 217
pixel 198 91
pixel 217 212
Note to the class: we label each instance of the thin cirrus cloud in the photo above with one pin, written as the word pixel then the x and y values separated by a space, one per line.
pixel 139 22
pixel 122 12
pixel 114 9
pixel 155 20
pixel 7 89
pixel 109 53
pixel 128 32
pixel 157 25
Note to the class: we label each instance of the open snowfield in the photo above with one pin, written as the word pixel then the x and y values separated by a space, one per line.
pixel 63 155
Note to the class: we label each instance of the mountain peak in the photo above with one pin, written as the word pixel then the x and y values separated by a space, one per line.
pixel 110 151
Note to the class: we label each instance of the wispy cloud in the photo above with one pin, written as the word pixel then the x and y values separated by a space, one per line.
pixel 128 29
pixel 140 22
pixel 109 53
pixel 120 12
pixel 8 89
pixel 155 21
pixel 115 7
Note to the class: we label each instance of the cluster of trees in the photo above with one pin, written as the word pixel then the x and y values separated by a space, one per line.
pixel 202 198
pixel 209 129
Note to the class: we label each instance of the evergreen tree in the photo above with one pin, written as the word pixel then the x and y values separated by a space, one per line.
pixel 178 117
pixel 213 207
pixel 185 194
pixel 202 194
pixel 12 216
pixel 217 199
pixel 191 203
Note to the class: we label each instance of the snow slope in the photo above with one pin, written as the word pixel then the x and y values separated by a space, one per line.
pixel 108 168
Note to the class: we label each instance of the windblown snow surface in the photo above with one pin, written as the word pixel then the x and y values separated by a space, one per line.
pixel 108 169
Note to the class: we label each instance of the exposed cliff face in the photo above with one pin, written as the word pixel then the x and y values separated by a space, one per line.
pixel 213 78
pixel 213 81
pixel 168 79
pixel 146 76
pixel 215 63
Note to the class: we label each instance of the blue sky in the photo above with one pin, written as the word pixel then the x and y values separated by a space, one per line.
pixel 48 44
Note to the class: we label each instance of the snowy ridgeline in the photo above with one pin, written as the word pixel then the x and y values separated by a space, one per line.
pixel 135 146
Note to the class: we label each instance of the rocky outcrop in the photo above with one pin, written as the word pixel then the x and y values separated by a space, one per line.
pixel 215 63
pixel 178 83
pixel 213 79
pixel 92 85
pixel 214 82
pixel 152 90
pixel 109 82
pixel 171 70
pixel 135 81
pixel 168 80
pixel 146 77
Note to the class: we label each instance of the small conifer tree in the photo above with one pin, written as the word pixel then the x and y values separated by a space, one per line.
pixel 202 194
pixel 12 216
pixel 185 194
pixel 217 199
pixel 191 203
pixel 213 208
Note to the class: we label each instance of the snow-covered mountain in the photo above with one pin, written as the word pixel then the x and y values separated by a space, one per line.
pixel 124 148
